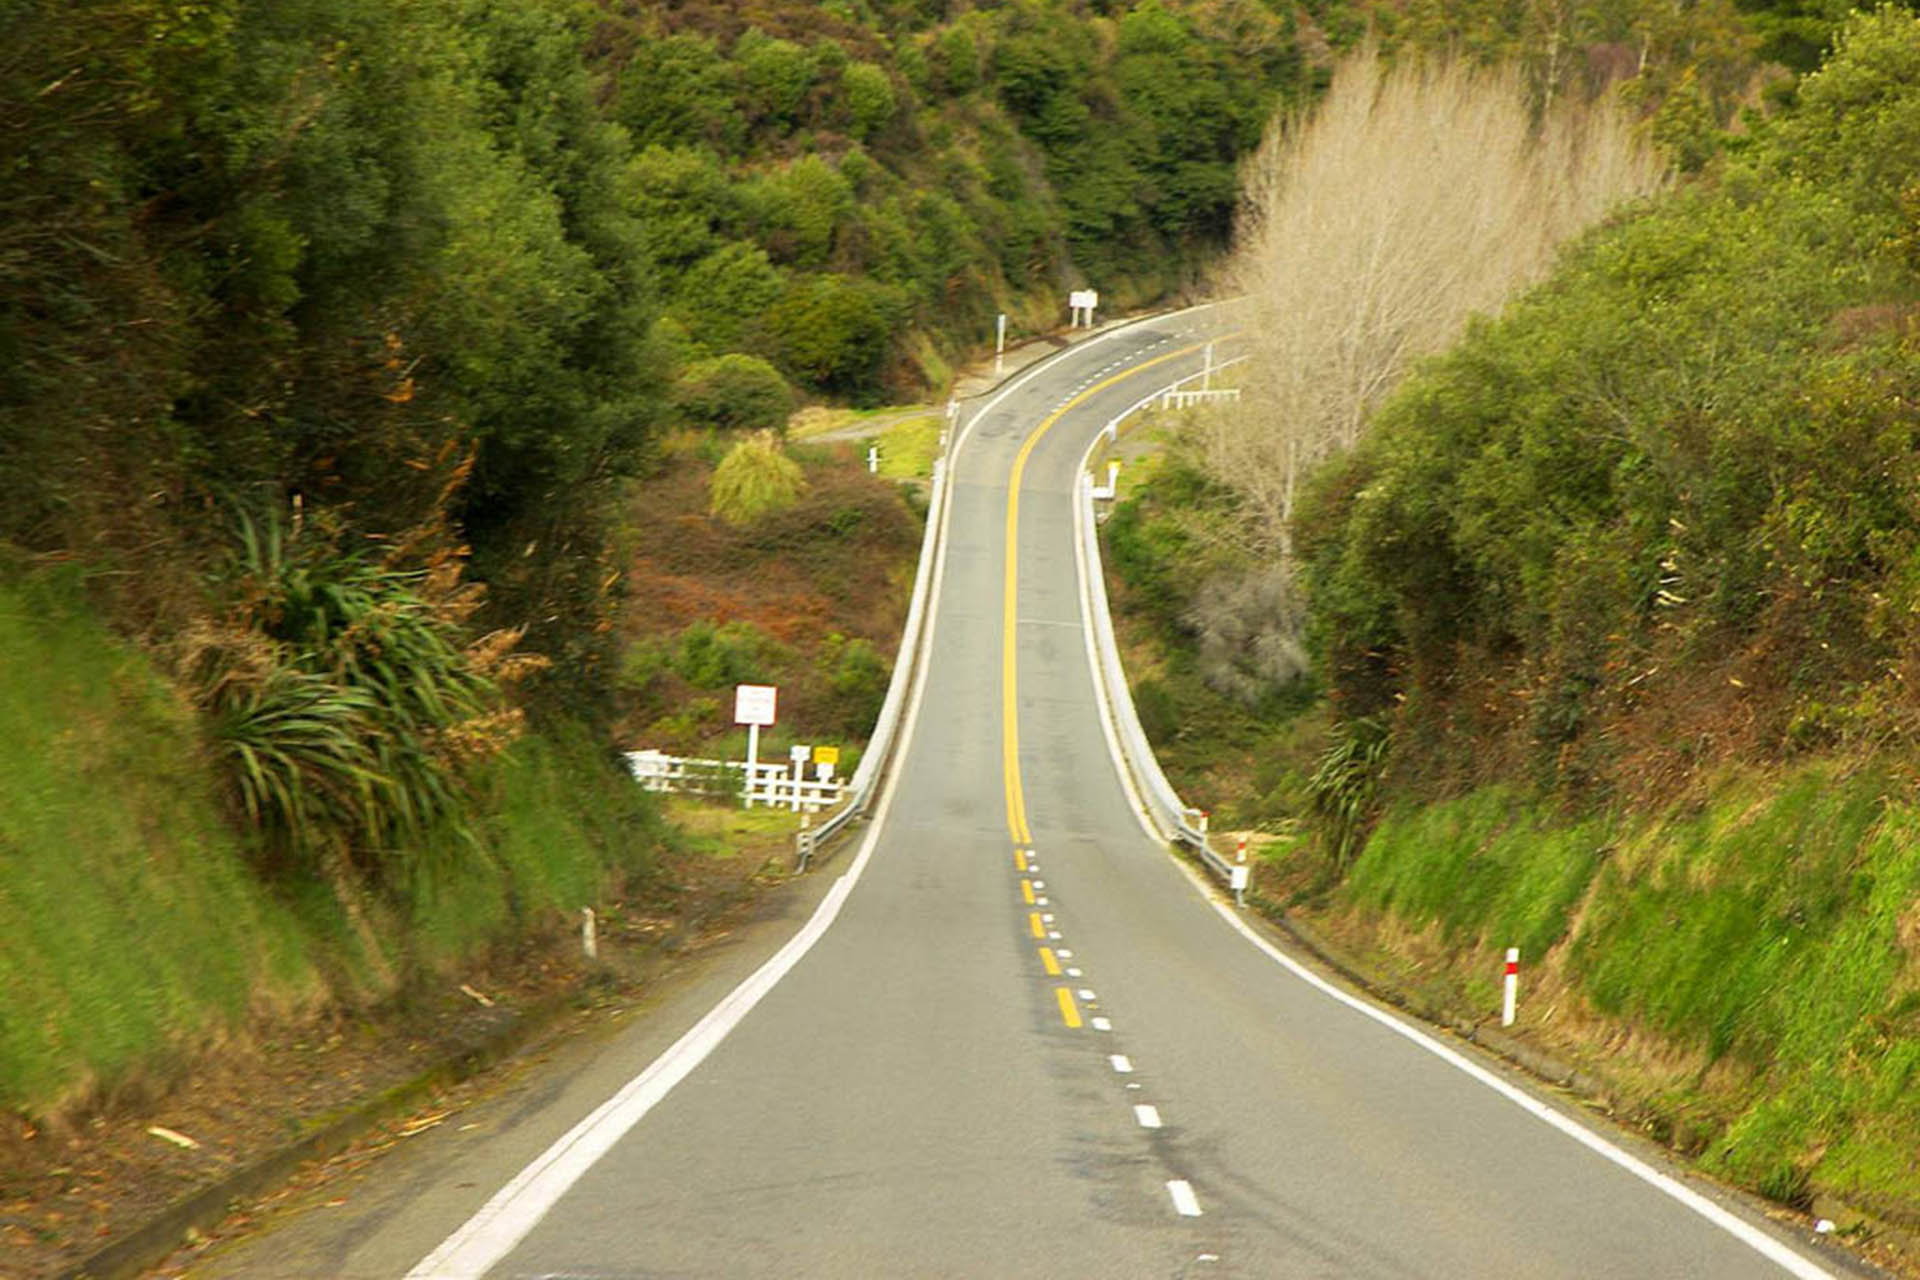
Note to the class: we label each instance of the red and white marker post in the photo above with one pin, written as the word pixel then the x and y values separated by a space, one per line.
pixel 1240 874
pixel 1512 986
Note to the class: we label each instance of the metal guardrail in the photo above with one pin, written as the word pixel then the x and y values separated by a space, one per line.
pixel 861 789
pixel 1176 821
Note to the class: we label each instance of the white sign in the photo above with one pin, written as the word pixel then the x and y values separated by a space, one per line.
pixel 753 703
pixel 1083 299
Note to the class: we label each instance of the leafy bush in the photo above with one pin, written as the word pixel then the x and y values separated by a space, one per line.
pixel 734 391
pixel 710 657
pixel 858 677
pixel 755 480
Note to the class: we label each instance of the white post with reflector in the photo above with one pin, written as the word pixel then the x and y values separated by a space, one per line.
pixel 1238 874
pixel 1511 985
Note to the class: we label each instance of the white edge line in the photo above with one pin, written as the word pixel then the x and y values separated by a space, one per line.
pixel 1760 1241
pixel 1185 1203
pixel 513 1211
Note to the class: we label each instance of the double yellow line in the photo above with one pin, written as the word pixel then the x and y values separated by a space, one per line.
pixel 1009 676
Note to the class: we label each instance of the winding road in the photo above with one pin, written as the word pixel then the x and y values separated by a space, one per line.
pixel 1009 1035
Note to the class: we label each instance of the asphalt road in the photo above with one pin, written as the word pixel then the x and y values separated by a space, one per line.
pixel 1027 1044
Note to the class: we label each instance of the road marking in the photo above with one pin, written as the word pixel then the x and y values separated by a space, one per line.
pixel 1033 923
pixel 1147 1114
pixel 1065 954
pixel 1102 1024
pixel 1087 995
pixel 1753 1237
pixel 1121 1062
pixel 1186 1204
pixel 1068 1013
pixel 1039 884
pixel 1048 963
pixel 1020 859
pixel 1026 891
pixel 1040 901
pixel 1010 594
pixel 1053 934
pixel 1073 973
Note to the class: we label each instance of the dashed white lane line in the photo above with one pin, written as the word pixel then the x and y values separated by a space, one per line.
pixel 1064 954
pixel 1102 1024
pixel 1121 1062
pixel 1073 973
pixel 1040 901
pixel 1185 1203
pixel 1147 1114
pixel 1053 935
pixel 1086 995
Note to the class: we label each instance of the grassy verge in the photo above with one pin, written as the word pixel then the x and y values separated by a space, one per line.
pixel 140 930
pixel 133 926
pixel 1744 972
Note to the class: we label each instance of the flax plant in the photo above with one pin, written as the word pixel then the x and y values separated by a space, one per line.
pixel 344 703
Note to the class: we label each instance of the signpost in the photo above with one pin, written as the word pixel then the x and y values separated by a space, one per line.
pixel 753 706
pixel 1082 302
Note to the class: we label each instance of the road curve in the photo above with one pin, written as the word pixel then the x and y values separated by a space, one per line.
pixel 1020 1042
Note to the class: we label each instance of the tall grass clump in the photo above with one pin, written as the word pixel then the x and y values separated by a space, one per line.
pixel 1413 197
pixel 345 702
pixel 755 479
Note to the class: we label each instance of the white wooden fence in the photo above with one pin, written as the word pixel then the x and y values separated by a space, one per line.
pixel 772 782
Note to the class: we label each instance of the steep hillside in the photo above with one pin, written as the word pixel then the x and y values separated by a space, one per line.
pixel 1613 608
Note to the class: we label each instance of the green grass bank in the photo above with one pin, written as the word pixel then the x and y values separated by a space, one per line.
pixel 1743 971
pixel 139 930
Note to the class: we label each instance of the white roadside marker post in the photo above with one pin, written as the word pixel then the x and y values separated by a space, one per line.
pixel 589 934
pixel 999 344
pixel 1511 983
pixel 1240 873
pixel 873 459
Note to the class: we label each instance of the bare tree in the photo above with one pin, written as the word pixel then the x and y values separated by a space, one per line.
pixel 1413 198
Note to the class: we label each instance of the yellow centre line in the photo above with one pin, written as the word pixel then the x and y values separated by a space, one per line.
pixel 1036 924
pixel 1009 684
pixel 1020 859
pixel 1049 962
pixel 1069 1012
pixel 1026 891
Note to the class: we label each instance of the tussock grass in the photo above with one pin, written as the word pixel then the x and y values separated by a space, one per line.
pixel 754 480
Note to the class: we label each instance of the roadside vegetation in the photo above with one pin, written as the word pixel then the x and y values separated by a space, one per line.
pixel 344 350
pixel 1606 627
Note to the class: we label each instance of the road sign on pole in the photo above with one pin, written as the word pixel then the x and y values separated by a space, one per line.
pixel 753 706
